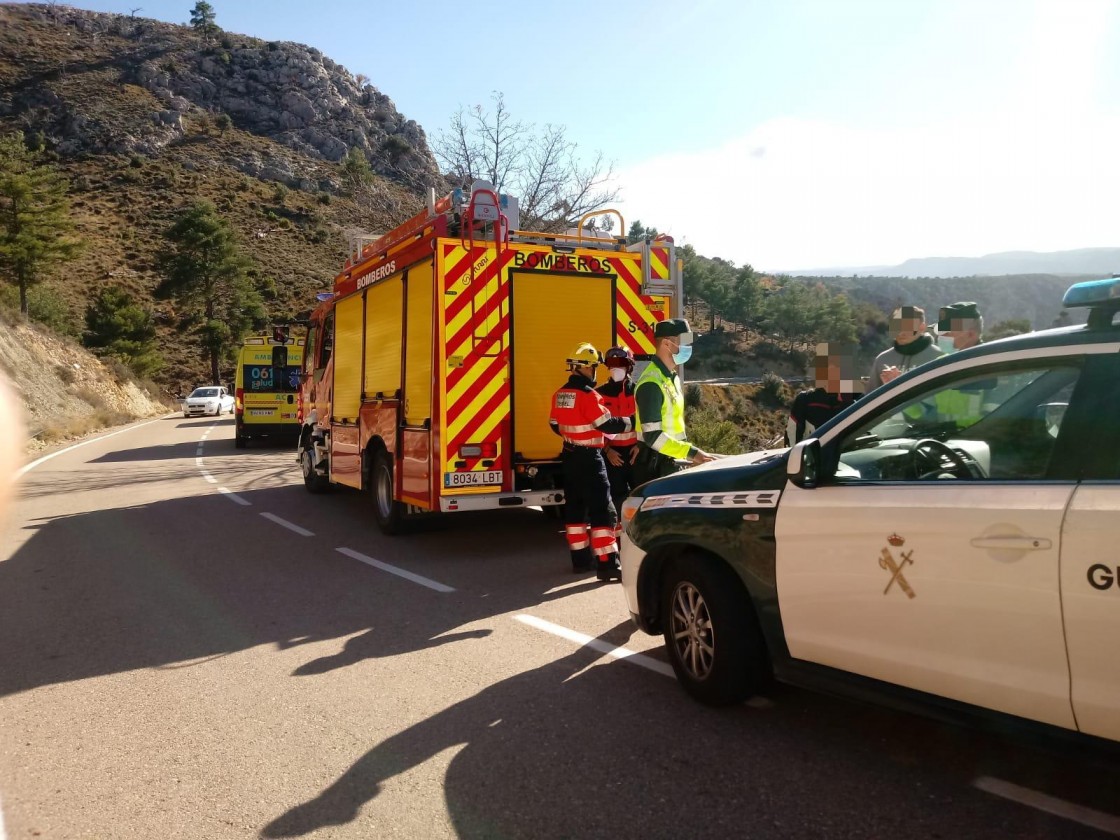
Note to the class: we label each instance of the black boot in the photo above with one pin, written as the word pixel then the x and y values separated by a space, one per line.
pixel 609 569
pixel 581 561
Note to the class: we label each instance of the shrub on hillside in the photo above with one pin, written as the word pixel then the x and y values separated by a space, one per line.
pixel 773 389
pixel 44 306
pixel 692 396
pixel 707 431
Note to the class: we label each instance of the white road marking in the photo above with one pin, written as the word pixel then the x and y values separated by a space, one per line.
pixel 28 467
pixel 3 835
pixel 1099 820
pixel 395 570
pixel 596 644
pixel 284 523
pixel 209 477
pixel 198 461
pixel 233 497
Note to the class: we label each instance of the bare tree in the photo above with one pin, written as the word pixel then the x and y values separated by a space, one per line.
pixel 542 167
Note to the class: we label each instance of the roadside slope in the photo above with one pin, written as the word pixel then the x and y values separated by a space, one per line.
pixel 65 391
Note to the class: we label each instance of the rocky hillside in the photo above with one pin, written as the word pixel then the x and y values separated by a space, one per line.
pixel 65 391
pixel 145 118
pixel 95 84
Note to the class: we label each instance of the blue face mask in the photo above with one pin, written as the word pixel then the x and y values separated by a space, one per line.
pixel 683 354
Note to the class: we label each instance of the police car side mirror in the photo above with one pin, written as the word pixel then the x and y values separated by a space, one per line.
pixel 804 464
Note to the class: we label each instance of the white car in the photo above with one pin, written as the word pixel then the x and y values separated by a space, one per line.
pixel 949 540
pixel 208 400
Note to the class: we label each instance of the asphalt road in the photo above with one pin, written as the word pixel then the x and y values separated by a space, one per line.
pixel 192 646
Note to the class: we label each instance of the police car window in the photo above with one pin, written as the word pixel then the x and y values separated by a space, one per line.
pixel 995 425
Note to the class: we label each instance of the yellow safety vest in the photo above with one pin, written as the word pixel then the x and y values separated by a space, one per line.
pixel 670 425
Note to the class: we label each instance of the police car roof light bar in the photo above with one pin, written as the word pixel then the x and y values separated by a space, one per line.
pixel 1093 293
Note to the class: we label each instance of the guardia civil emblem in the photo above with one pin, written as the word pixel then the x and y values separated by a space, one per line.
pixel 888 562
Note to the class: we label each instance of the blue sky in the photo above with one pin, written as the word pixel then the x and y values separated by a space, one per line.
pixel 784 133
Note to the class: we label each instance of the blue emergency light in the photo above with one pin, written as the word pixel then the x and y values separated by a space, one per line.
pixel 1093 293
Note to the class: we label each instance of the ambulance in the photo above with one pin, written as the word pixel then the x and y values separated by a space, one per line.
pixel 266 388
pixel 431 363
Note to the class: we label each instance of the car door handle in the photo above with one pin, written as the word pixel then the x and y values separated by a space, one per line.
pixel 1011 542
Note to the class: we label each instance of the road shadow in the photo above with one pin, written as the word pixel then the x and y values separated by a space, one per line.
pixel 163 452
pixel 199 423
pixel 175 581
pixel 576 748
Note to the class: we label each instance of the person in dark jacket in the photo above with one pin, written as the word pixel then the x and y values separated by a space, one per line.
pixel 620 450
pixel 837 388
pixel 580 418
pixel 912 346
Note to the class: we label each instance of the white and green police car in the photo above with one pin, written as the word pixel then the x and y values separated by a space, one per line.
pixel 953 538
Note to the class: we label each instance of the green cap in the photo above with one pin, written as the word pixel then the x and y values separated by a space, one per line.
pixel 671 328
pixel 963 310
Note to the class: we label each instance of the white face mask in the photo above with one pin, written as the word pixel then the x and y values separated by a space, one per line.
pixel 618 374
pixel 946 343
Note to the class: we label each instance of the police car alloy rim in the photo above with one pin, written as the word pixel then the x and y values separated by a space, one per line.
pixel 693 635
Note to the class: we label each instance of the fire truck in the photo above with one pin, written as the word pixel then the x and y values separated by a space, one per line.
pixel 429 368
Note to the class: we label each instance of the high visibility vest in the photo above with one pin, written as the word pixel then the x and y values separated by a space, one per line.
pixel 669 426
pixel 578 413
pixel 961 407
pixel 620 405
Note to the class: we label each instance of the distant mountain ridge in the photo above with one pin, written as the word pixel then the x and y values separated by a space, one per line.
pixel 1102 262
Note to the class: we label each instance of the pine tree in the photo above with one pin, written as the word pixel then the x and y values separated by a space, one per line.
pixel 206 273
pixel 119 327
pixel 34 217
pixel 203 20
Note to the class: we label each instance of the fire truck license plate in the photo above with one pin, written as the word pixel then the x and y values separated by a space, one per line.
pixel 472 479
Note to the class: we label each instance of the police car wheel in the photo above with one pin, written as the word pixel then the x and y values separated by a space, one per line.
pixel 711 633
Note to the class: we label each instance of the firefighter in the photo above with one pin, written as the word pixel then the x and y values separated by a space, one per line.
pixel 620 450
pixel 660 405
pixel 580 418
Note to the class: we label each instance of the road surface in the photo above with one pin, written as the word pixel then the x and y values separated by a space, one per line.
pixel 192 646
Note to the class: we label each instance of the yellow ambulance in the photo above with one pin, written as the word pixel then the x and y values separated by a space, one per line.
pixel 266 388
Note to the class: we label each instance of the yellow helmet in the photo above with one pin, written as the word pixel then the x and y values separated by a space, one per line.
pixel 585 355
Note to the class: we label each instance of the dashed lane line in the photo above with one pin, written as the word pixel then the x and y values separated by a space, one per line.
pixel 598 645
pixel 1099 820
pixel 284 523
pixel 303 532
pixel 233 497
pixel 396 570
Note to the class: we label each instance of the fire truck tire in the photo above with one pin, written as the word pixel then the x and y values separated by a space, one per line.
pixel 388 512
pixel 315 482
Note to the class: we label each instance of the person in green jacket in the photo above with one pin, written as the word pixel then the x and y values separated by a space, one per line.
pixel 962 324
pixel 662 442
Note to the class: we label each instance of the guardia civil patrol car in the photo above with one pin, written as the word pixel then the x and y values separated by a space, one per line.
pixel 953 538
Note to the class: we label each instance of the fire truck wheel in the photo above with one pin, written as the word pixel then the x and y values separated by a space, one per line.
pixel 315 482
pixel 388 512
